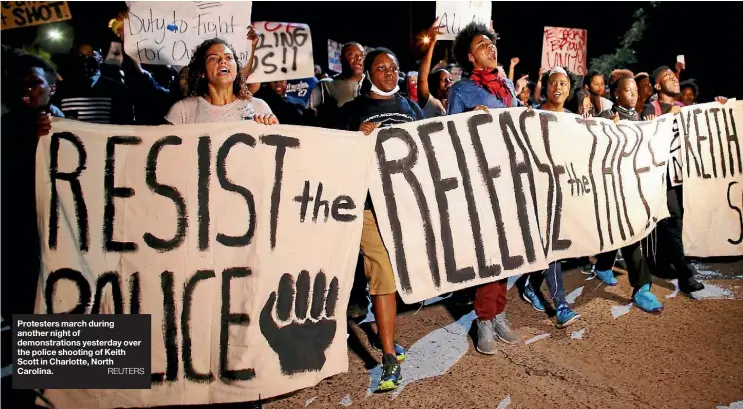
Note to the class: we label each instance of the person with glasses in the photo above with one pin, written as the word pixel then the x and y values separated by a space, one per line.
pixel 481 88
pixel 380 105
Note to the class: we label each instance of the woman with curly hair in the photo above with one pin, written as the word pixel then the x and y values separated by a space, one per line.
pixel 483 87
pixel 218 90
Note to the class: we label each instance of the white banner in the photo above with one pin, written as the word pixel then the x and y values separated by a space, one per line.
pixel 168 32
pixel 713 179
pixel 455 15
pixel 334 56
pixel 284 52
pixel 471 198
pixel 240 240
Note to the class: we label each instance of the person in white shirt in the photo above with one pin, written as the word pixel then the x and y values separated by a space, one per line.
pixel 220 93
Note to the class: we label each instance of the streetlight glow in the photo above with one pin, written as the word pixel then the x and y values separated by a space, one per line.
pixel 55 35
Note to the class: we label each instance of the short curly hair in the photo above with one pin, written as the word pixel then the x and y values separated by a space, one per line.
pixel 198 85
pixel 463 43
pixel 615 78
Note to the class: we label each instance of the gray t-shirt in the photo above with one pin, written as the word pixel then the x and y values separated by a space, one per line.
pixel 197 110
pixel 433 107
pixel 339 90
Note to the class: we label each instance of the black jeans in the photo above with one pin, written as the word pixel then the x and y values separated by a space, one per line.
pixel 636 257
pixel 605 261
pixel 668 252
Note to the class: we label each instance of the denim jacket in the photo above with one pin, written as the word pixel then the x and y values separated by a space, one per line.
pixel 465 95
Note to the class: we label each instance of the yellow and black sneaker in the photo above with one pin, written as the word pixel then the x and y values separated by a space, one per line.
pixel 391 374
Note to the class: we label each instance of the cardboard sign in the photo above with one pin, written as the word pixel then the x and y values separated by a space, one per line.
pixel 238 238
pixel 473 198
pixel 284 52
pixel 712 159
pixel 455 15
pixel 334 56
pixel 565 47
pixel 33 13
pixel 167 33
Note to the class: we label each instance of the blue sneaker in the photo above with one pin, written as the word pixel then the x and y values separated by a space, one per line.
pixel 565 316
pixel 399 350
pixel 646 301
pixel 532 298
pixel 391 374
pixel 607 276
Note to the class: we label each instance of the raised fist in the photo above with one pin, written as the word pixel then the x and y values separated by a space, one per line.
pixel 514 61
pixel 300 341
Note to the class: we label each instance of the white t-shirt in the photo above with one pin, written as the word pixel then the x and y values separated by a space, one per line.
pixel 197 110
pixel 433 107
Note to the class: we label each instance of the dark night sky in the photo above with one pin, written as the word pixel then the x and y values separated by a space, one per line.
pixel 708 34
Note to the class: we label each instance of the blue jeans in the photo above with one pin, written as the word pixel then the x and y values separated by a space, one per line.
pixel 553 276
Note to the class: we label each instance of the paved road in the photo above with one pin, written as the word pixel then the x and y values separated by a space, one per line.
pixel 615 357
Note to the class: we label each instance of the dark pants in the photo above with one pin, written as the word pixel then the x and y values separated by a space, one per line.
pixel 638 269
pixel 605 261
pixel 668 252
pixel 553 276
pixel 490 300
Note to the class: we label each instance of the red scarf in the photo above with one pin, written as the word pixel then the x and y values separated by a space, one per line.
pixel 493 83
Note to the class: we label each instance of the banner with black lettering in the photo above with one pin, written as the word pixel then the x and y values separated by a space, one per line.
pixel 240 239
pixel 472 198
pixel 713 179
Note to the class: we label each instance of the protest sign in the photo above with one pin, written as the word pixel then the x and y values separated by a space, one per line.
pixel 472 198
pixel 168 32
pixel 713 179
pixel 455 15
pixel 284 52
pixel 237 238
pixel 334 56
pixel 565 47
pixel 16 14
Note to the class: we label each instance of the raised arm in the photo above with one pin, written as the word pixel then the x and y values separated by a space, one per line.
pixel 253 38
pixel 425 68
pixel 512 68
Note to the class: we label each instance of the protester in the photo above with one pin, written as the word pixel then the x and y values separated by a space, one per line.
pixel 433 85
pixel 456 72
pixel 666 85
pixel 475 51
pixel 595 83
pixel 330 94
pixel 689 92
pixel 559 89
pixel 219 92
pixel 88 96
pixel 29 84
pixel 289 109
pixel 380 105
pixel 412 85
pixel 644 90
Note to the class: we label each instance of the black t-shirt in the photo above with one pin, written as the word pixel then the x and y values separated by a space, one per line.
pixel 289 110
pixel 106 102
pixel 388 112
pixel 629 115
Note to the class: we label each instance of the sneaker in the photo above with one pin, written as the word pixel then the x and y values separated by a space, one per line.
pixel 532 298
pixel 399 350
pixel 565 316
pixel 391 374
pixel 503 331
pixel 646 301
pixel 690 285
pixel 485 337
pixel 607 276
